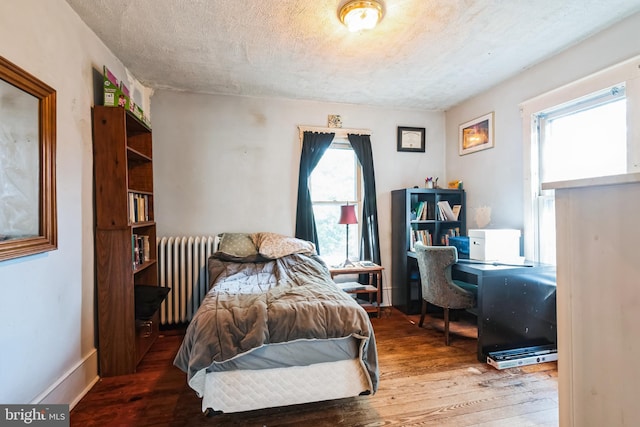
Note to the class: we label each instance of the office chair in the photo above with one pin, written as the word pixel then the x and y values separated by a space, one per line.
pixel 434 264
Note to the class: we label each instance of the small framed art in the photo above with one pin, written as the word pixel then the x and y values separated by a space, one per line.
pixel 335 121
pixel 411 139
pixel 476 135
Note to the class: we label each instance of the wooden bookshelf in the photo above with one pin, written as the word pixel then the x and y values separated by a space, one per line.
pixel 123 165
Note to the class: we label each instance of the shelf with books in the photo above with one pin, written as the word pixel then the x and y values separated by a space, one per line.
pixel 140 207
pixel 446 212
pixel 141 252
pixel 422 236
pixel 427 215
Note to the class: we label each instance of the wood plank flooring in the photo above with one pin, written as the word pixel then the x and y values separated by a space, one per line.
pixel 422 383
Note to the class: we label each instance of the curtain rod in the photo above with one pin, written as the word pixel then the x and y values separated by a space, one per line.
pixel 339 132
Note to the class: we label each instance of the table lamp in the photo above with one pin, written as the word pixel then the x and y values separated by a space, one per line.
pixel 348 216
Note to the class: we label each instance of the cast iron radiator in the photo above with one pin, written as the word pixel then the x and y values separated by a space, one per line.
pixel 182 266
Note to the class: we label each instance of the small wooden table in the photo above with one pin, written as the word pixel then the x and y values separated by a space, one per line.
pixel 373 287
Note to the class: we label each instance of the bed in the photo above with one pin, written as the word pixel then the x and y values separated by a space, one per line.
pixel 274 330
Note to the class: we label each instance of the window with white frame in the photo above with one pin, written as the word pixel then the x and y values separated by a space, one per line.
pixel 334 182
pixel 583 138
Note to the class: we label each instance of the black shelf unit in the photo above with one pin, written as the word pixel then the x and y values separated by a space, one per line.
pixel 406 292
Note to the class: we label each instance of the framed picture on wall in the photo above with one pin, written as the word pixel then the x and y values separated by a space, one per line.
pixel 476 135
pixel 411 139
pixel 28 215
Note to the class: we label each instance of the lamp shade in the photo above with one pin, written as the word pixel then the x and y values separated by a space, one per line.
pixel 348 214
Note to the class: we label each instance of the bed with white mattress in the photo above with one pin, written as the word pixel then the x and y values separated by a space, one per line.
pixel 274 330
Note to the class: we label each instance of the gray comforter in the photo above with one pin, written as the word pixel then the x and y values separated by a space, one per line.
pixel 254 304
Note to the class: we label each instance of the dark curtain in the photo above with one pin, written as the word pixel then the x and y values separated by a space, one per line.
pixel 313 147
pixel 369 243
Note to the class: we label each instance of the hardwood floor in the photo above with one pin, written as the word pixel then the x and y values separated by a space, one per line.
pixel 422 382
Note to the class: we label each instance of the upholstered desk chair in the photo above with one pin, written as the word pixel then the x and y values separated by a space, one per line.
pixel 434 263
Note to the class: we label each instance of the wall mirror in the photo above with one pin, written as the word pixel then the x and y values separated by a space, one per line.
pixel 27 164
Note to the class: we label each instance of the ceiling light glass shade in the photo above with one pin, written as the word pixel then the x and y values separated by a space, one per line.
pixel 361 15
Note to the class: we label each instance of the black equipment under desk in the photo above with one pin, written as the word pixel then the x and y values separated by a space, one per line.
pixel 516 304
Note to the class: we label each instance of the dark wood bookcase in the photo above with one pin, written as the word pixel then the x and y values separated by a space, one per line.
pixel 123 167
pixel 406 292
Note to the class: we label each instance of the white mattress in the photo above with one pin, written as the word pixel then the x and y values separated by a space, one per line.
pixel 246 390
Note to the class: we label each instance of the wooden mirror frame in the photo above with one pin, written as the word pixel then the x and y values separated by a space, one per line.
pixel 47 238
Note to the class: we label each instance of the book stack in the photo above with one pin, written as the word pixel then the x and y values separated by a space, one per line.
pixel 138 207
pixel 422 236
pixel 446 212
pixel 422 211
pixel 140 249
pixel 447 233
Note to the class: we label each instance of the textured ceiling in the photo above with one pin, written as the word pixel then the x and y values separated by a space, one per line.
pixel 426 54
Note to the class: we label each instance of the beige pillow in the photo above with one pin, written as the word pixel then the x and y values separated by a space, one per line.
pixel 273 245
pixel 237 247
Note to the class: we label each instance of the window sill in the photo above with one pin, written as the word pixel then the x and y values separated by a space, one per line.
pixel 626 178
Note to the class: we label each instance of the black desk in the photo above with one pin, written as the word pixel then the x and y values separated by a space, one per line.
pixel 516 304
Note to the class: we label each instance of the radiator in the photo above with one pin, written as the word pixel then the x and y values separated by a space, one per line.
pixel 182 266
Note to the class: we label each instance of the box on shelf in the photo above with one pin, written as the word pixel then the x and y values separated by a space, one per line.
pixel 461 243
pixel 502 245
pixel 113 94
pixel 116 94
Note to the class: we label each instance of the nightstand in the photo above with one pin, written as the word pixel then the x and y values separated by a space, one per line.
pixel 373 287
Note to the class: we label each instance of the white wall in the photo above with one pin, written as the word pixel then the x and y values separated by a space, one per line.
pixel 225 163
pixel 47 306
pixel 494 178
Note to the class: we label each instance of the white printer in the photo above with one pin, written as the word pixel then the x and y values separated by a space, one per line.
pixel 497 245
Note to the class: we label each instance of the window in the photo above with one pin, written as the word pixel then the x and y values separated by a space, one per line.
pixel 583 138
pixel 335 181
pixel 580 130
pixel 586 138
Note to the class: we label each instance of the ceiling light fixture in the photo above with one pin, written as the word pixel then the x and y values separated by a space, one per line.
pixel 360 15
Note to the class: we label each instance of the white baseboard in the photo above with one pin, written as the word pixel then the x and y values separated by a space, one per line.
pixel 74 384
pixel 386 297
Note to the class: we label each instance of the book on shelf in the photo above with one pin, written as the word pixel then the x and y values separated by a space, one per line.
pixel 427 214
pixel 140 249
pixel 427 240
pixel 422 236
pixel 146 249
pixel 134 252
pixel 456 211
pixel 422 211
pixel 449 232
pixel 132 213
pixel 446 212
pixel 418 211
pixel 138 207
